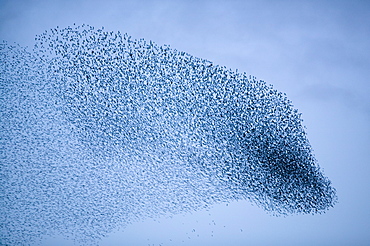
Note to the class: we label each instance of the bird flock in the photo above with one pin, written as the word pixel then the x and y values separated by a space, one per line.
pixel 99 130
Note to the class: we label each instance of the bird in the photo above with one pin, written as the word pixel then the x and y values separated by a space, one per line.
pixel 100 130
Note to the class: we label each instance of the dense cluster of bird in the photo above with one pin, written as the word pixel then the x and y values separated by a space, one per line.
pixel 99 130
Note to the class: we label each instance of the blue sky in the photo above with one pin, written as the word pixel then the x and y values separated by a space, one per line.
pixel 318 52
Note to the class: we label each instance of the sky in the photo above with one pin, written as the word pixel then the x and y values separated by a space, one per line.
pixel 317 52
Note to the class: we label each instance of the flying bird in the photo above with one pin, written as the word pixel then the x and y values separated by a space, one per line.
pixel 99 130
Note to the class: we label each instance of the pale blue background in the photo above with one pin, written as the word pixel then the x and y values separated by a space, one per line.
pixel 318 52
